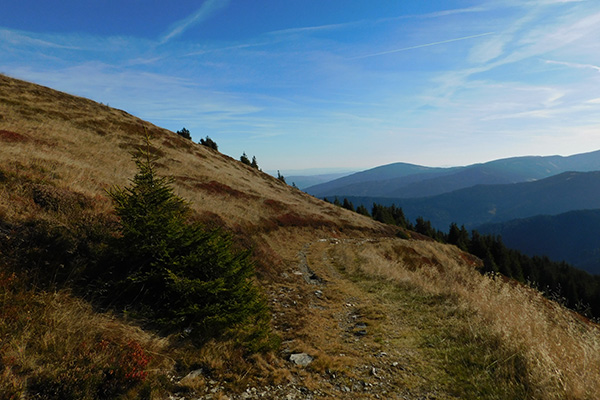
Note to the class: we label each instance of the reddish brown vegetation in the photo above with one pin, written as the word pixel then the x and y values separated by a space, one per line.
pixel 210 219
pixel 57 199
pixel 275 205
pixel 8 136
pixel 218 188
pixel 133 146
pixel 176 142
pixel 471 260
pixel 296 220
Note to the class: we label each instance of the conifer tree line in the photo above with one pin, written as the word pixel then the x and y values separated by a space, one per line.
pixel 245 160
pixel 184 133
pixel 574 288
pixel 208 142
pixel 280 177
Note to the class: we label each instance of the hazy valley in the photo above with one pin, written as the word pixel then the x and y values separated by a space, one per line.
pixel 489 196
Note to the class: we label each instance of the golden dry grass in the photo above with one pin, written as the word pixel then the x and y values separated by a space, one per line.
pixel 86 147
pixel 52 338
pixel 434 326
pixel 561 349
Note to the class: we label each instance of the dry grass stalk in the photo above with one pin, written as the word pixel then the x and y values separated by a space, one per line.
pixel 561 348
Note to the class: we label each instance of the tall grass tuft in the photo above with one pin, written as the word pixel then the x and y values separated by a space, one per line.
pixel 560 349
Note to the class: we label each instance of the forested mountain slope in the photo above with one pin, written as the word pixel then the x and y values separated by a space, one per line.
pixel 571 237
pixel 496 203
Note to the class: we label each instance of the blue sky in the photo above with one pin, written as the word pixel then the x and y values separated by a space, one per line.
pixel 328 83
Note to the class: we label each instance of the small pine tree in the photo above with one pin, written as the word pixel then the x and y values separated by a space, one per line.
pixel 361 209
pixel 347 204
pixel 382 214
pixel 424 227
pixel 184 133
pixel 244 159
pixel 254 164
pixel 398 216
pixel 458 237
pixel 176 274
pixel 208 142
pixel 280 177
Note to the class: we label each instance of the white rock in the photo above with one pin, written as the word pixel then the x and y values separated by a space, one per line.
pixel 301 359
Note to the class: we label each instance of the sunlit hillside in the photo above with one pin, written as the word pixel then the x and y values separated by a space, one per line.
pixel 381 313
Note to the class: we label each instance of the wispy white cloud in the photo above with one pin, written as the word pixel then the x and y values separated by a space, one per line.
pixel 488 50
pixel 527 38
pixel 143 61
pixel 208 9
pixel 419 46
pixel 317 28
pixel 22 39
pixel 539 113
pixel 445 13
pixel 574 65
pixel 495 47
pixel 240 46
pixel 435 14
pixel 550 2
pixel 351 24
pixel 544 39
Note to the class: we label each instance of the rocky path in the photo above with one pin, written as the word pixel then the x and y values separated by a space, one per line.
pixel 355 339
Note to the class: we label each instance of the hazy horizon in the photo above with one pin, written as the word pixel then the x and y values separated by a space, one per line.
pixel 333 171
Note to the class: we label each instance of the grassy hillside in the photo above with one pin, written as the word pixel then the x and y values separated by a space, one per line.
pixel 381 316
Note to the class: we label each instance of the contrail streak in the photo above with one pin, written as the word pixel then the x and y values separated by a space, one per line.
pixel 204 12
pixel 423 45
pixel 574 65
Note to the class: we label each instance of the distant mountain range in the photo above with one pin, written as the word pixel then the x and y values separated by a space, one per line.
pixel 401 180
pixel 481 204
pixel 573 237
pixel 519 196
pixel 304 181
